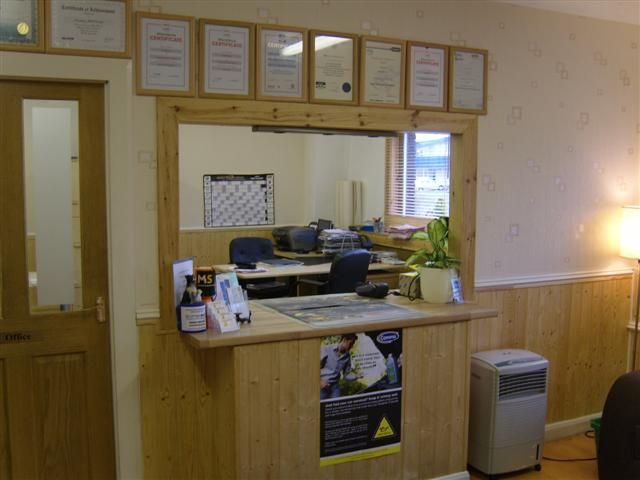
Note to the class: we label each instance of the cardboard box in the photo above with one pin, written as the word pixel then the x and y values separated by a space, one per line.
pixel 409 284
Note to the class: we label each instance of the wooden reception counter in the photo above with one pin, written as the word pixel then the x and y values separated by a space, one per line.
pixel 264 410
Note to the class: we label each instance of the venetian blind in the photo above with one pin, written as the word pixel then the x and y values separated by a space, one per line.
pixel 417 173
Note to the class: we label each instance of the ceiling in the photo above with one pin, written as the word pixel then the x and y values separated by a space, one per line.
pixel 626 11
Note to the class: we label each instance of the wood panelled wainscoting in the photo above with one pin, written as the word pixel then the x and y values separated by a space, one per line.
pixel 580 326
pixel 262 429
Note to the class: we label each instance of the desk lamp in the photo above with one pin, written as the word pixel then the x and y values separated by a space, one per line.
pixel 630 248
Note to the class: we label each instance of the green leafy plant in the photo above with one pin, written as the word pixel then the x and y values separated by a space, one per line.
pixel 435 255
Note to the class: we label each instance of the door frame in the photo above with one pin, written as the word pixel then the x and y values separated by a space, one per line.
pixel 121 195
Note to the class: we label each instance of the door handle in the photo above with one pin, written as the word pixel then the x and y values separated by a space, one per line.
pixel 100 313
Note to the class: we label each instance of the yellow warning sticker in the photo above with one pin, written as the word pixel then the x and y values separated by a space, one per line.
pixel 384 429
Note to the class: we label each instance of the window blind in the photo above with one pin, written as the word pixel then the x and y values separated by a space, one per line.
pixel 417 173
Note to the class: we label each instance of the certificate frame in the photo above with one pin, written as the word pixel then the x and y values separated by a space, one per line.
pixel 461 78
pixel 352 79
pixel 11 39
pixel 367 98
pixel 184 85
pixel 247 57
pixel 54 23
pixel 300 83
pixel 435 97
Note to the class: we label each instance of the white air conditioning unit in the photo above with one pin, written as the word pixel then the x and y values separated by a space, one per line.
pixel 508 406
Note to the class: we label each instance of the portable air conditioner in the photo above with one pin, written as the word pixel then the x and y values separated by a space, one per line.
pixel 508 406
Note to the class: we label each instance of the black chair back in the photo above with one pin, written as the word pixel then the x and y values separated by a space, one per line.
pixel 619 446
pixel 250 249
pixel 348 270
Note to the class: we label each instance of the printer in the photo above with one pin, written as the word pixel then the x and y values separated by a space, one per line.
pixel 295 239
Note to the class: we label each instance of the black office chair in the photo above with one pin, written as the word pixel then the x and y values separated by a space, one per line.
pixel 619 446
pixel 348 270
pixel 250 250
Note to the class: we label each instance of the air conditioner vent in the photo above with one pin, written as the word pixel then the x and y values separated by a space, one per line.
pixel 518 384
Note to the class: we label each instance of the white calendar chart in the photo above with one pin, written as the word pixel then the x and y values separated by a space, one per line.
pixel 238 200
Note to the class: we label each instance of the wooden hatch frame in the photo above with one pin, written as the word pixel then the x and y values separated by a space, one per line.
pixel 173 111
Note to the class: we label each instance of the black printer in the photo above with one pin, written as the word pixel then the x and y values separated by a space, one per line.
pixel 295 239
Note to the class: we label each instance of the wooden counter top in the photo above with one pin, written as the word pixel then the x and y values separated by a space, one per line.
pixel 270 326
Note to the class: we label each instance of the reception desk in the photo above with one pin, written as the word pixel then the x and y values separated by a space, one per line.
pixel 264 406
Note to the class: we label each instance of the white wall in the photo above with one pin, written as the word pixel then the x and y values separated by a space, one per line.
pixel 558 150
pixel 217 150
pixel 366 163
pixel 306 169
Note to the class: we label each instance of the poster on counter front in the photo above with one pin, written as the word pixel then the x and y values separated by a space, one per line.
pixel 165 55
pixel 89 27
pixel 226 58
pixel 360 395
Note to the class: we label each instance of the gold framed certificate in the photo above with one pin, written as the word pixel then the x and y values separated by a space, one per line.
pixel 98 28
pixel 468 80
pixel 21 25
pixel 334 68
pixel 165 55
pixel 227 59
pixel 382 72
pixel 282 63
pixel 427 70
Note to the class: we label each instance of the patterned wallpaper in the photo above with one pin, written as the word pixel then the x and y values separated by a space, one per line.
pixel 558 150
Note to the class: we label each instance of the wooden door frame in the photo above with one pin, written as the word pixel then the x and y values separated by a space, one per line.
pixel 119 104
pixel 77 333
pixel 171 112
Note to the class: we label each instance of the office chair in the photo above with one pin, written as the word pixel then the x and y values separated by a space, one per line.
pixel 249 250
pixel 619 446
pixel 348 270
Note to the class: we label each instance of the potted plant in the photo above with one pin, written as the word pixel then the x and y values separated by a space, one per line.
pixel 433 263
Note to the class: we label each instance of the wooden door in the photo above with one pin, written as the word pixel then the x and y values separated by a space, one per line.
pixel 56 411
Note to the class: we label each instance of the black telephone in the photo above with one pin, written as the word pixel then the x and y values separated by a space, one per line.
pixel 365 242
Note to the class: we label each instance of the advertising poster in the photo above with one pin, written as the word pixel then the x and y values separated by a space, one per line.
pixel 360 395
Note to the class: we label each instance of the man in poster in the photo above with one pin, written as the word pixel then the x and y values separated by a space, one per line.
pixel 335 359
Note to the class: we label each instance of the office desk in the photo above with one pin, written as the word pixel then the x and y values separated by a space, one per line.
pixel 261 410
pixel 300 270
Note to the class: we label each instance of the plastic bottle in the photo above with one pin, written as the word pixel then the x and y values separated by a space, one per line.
pixel 392 370
pixel 191 311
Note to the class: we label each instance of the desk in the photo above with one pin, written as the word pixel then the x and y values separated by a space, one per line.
pixel 300 270
pixel 263 398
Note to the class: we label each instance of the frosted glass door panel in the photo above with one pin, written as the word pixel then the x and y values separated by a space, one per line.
pixel 52 204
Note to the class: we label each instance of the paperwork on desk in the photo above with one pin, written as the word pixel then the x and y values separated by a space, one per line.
pixel 339 309
pixel 281 262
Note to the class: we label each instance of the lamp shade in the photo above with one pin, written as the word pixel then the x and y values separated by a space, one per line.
pixel 630 232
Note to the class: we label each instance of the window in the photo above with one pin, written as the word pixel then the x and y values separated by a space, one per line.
pixel 417 175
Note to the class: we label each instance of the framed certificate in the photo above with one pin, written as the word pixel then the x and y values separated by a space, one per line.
pixel 427 69
pixel 226 59
pixel 334 68
pixel 468 80
pixel 165 55
pixel 282 63
pixel 382 71
pixel 98 28
pixel 21 25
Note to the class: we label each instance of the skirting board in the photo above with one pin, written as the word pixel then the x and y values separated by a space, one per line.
pixel 567 428
pixel 454 476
